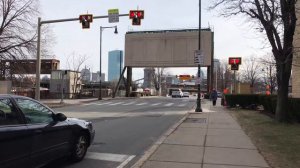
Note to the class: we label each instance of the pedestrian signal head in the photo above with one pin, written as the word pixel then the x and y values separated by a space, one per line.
pixel 136 16
pixel 85 20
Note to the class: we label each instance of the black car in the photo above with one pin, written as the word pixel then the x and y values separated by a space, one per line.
pixel 32 135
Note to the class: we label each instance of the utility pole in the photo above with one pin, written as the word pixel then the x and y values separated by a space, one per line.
pixel 234 82
pixel 198 108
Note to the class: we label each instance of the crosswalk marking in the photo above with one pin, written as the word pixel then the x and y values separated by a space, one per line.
pixel 155 104
pixel 113 104
pixel 128 103
pixel 103 103
pixel 140 104
pixel 182 105
pixel 169 104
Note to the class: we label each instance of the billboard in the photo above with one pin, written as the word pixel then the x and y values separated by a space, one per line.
pixel 168 48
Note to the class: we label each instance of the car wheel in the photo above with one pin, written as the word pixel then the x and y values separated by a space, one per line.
pixel 79 148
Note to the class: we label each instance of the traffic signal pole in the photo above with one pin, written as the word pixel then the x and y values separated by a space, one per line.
pixel 38 57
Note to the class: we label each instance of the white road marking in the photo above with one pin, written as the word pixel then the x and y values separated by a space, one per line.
pixel 182 105
pixel 113 104
pixel 89 104
pixel 169 104
pixel 126 161
pixel 128 103
pixel 109 157
pixel 98 104
pixel 140 104
pixel 155 104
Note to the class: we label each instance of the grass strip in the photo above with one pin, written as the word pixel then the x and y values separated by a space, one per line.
pixel 278 142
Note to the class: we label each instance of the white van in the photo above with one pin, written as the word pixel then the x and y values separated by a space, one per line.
pixel 177 93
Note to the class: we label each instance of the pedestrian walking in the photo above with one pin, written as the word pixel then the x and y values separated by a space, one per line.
pixel 214 96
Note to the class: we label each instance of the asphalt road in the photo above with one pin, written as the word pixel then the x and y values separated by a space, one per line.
pixel 125 128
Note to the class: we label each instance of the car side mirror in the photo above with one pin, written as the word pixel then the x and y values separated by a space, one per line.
pixel 60 117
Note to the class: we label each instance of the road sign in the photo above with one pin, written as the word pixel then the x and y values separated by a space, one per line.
pixel 184 77
pixel 113 15
pixel 199 57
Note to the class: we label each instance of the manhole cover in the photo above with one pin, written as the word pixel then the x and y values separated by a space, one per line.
pixel 195 120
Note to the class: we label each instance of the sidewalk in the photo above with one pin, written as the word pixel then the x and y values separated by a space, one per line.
pixel 212 139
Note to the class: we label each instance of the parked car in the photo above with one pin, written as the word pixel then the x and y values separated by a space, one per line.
pixel 177 93
pixel 186 94
pixel 32 134
pixel 220 94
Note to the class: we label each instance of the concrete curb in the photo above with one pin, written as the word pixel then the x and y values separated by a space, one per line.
pixel 154 147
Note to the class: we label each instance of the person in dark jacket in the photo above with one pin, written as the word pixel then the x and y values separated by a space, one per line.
pixel 214 96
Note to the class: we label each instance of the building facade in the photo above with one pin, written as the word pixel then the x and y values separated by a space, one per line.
pixel 86 75
pixel 148 77
pixel 296 59
pixel 115 64
pixel 67 81
pixel 96 77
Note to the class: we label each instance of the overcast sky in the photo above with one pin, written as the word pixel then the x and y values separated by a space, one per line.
pixel 233 38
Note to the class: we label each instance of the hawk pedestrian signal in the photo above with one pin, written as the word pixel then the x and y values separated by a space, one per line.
pixel 85 20
pixel 136 16
pixel 235 62
pixel 234 67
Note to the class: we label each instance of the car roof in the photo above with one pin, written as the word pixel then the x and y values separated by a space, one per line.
pixel 12 96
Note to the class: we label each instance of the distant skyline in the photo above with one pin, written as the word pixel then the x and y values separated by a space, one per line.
pixel 115 64
pixel 233 37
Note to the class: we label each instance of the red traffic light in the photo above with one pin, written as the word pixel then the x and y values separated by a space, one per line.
pixel 136 16
pixel 235 60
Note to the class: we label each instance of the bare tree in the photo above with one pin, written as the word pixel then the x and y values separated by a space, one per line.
pixel 157 74
pixel 17 29
pixel 251 71
pixel 225 75
pixel 277 20
pixel 268 67
pixel 75 63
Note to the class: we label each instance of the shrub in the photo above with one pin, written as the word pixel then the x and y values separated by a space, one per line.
pixel 243 100
pixel 294 108
pixel 269 103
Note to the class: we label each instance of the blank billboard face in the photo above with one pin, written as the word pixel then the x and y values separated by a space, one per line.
pixel 166 49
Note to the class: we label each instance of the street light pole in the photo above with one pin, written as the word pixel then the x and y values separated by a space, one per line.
pixel 271 81
pixel 100 75
pixel 198 108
